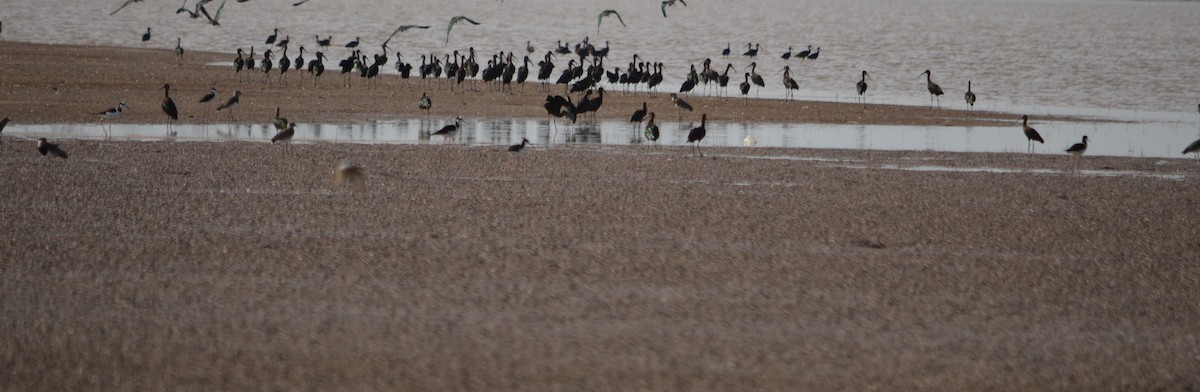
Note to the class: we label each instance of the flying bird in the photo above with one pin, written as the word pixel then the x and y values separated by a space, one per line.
pixel 607 13
pixel 127 2
pixel 298 3
pixel 670 3
pixel 454 20
pixel 401 29
pixel 213 19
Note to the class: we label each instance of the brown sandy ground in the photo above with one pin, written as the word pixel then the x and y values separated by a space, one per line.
pixel 66 84
pixel 234 266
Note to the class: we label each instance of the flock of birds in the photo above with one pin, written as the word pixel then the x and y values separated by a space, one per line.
pixel 502 71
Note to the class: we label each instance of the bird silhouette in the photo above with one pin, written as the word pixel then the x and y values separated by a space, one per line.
pixel 670 3
pixel 45 147
pixel 402 29
pixel 607 13
pixel 127 3
pixel 213 20
pixel 454 21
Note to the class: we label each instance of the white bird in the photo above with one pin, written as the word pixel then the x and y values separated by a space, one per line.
pixel 607 13
pixel 453 21
pixel 127 2
pixel 402 29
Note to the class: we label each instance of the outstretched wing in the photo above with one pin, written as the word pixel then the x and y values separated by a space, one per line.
pixel 451 25
pixel 614 12
pixel 683 2
pixel 664 7
pixel 400 29
pixel 127 2
pixel 218 17
pixel 299 3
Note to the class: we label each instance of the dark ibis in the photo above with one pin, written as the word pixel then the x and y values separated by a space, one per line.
pixel 1030 133
pixel 697 133
pixel 935 91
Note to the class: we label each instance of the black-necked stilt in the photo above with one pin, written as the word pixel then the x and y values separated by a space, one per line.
pixel 1030 133
pixel 1076 150
pixel 607 13
pixel 233 101
pixel 323 42
pixel 969 96
pixel 168 106
pixel 146 36
pixel 283 43
pixel 751 52
pixel 639 115
pixel 814 54
pixel 449 129
pixel 518 147
pixel 127 2
pixel 271 38
pixel 45 147
pixel 285 135
pixel 861 87
pixel 454 21
pixel 787 55
pixel 651 131
pixel 697 133
pixel 670 3
pixel 935 91
pixel 212 94
pixel 111 113
pixel 351 174
pixel 803 55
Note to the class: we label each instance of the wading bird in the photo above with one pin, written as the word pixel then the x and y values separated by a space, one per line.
pixel 519 147
pixel 1076 150
pixel 323 42
pixel 454 21
pixel 146 36
pixel 4 123
pixel 447 130
pixel 285 135
pixel 425 103
pixel 607 13
pixel 1030 133
pixel 670 3
pixel 789 84
pixel 697 133
pixel 45 147
pixel 725 53
pixel 233 101
pixel 969 96
pixel 354 43
pixel 168 106
pixel 935 91
pixel 212 94
pixel 111 113
pixel 861 87
pixel 680 104
pixel 178 48
pixel 1194 147
pixel 651 132
pixel 271 38
pixel 639 115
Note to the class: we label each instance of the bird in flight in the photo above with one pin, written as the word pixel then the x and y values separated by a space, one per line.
pixel 401 29
pixel 214 20
pixel 453 21
pixel 670 3
pixel 127 2
pixel 607 13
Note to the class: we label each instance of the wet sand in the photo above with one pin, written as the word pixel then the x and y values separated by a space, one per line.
pixel 236 266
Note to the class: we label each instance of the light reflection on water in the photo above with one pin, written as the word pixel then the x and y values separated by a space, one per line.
pixel 1158 139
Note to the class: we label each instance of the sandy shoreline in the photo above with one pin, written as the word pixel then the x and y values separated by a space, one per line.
pixel 65 84
pixel 236 266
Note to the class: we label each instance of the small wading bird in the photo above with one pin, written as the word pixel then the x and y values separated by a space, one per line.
pixel 935 91
pixel 212 94
pixel 447 130
pixel 519 147
pixel 271 38
pixel 146 36
pixel 680 104
pixel 179 48
pixel 45 147
pixel 111 113
pixel 1194 147
pixel 861 87
pixel 651 132
pixel 425 103
pixel 323 42
pixel 1030 133
pixel 127 3
pixel 348 173
pixel 454 21
pixel 969 96
pixel 697 133
pixel 233 101
pixel 670 3
pixel 1076 150
pixel 285 135
pixel 354 43
pixel 168 106
pixel 607 13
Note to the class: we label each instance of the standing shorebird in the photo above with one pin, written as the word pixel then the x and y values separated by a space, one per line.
pixel 725 53
pixel 861 87
pixel 1030 133
pixel 168 106
pixel 970 96
pixel 179 48
pixel 285 135
pixel 425 103
pixel 212 94
pixel 449 129
pixel 789 84
pixel 111 113
pixel 146 36
pixel 271 38
pixel 1076 150
pixel 681 105
pixel 697 133
pixel 935 91
pixel 639 115
pixel 751 52
pixel 45 147
pixel 1194 147
pixel 233 101
pixel 651 132
pixel 756 78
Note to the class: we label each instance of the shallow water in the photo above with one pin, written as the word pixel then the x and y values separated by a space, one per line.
pixel 1111 57
pixel 1149 139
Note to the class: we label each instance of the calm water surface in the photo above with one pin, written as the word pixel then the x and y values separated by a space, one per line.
pixel 1107 57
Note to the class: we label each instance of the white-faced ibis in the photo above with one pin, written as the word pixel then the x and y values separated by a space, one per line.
pixel 168 106
pixel 751 52
pixel 969 96
pixel 789 84
pixel 787 55
pixel 697 133
pixel 861 86
pixel 1030 133
pixel 725 53
pixel 271 38
pixel 935 91
pixel 45 147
